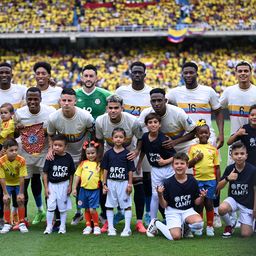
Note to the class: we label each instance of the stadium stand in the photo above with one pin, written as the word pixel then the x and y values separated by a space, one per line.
pixel 75 15
pixel 216 60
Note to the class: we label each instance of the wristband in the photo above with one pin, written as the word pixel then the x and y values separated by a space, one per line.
pixel 226 179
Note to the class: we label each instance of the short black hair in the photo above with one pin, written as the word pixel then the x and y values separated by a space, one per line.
pixel 252 107
pixel 151 116
pixel 10 143
pixel 59 136
pixel 90 67
pixel 9 106
pixel 236 145
pixel 6 64
pixel 33 89
pixel 181 156
pixel 43 64
pixel 190 64
pixel 157 90
pixel 68 91
pixel 118 129
pixel 243 63
pixel 138 63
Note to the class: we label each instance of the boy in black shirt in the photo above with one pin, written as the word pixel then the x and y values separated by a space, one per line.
pixel 178 196
pixel 58 178
pixel 241 177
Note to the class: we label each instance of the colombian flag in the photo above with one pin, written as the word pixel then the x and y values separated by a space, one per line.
pixel 177 36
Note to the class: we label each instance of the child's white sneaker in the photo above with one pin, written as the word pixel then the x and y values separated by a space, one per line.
pixel 152 229
pixel 62 230
pixel 111 232
pixel 87 230
pixel 96 231
pixel 48 231
pixel 23 228
pixel 6 228
pixel 209 231
pixel 126 232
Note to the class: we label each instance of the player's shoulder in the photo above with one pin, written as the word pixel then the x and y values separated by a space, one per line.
pixel 19 87
pixel 123 88
pixel 20 159
pixel 102 91
pixel 102 117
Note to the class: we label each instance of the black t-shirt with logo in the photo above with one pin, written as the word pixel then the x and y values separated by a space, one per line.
pixel 250 143
pixel 117 164
pixel 60 169
pixel 154 149
pixel 242 189
pixel 181 196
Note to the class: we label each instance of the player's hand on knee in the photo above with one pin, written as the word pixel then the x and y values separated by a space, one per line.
pixel 20 198
pixel 203 192
pixel 6 198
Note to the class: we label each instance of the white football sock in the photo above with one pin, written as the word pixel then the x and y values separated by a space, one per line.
pixel 110 218
pixel 164 229
pixel 127 218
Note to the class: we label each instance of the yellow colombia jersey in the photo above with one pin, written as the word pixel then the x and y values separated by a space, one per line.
pixel 206 168
pixel 7 130
pixel 90 174
pixel 12 171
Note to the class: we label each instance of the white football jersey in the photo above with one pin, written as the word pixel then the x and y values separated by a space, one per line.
pixel 74 129
pixel 134 101
pixel 175 123
pixel 51 96
pixel 129 123
pixel 15 95
pixel 198 103
pixel 238 102
pixel 25 117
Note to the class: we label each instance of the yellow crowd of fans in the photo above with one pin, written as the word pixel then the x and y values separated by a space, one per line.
pixel 163 65
pixel 58 15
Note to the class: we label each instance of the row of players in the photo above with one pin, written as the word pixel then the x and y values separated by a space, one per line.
pixel 177 122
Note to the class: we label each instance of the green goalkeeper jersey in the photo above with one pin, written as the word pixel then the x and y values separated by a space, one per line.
pixel 94 102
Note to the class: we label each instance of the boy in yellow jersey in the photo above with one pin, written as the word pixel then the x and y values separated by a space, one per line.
pixel 204 159
pixel 12 173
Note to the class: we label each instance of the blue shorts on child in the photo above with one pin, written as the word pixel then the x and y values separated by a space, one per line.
pixel 210 186
pixel 88 198
pixel 13 189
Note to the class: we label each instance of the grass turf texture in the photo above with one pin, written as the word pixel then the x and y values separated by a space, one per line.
pixel 74 243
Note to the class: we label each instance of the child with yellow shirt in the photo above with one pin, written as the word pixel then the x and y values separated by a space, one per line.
pixel 89 175
pixel 12 173
pixel 204 159
pixel 7 123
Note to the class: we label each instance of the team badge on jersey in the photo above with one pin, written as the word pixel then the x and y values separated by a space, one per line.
pixel 189 121
pixel 33 139
pixel 97 101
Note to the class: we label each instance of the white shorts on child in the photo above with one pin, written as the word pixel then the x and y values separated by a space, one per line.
pixel 159 174
pixel 117 195
pixel 58 196
pixel 176 217
pixel 245 214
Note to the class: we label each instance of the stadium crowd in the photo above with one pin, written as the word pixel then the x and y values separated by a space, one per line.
pixel 163 64
pixel 41 16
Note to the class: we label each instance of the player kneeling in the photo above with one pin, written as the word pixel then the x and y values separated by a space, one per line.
pixel 12 173
pixel 178 195
pixel 241 177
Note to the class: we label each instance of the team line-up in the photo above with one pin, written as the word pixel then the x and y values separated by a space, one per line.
pixel 99 146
